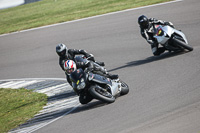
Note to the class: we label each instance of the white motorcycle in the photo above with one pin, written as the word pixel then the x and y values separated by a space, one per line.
pixel 171 38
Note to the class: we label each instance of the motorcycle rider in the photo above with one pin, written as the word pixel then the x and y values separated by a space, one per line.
pixel 147 27
pixel 88 66
pixel 70 67
pixel 69 54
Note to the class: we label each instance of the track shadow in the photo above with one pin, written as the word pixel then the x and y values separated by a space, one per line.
pixel 67 94
pixel 148 60
pixel 92 105
pixel 47 117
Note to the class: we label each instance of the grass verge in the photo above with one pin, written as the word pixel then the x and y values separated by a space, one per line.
pixel 48 12
pixel 17 106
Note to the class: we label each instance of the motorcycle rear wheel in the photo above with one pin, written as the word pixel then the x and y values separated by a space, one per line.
pixel 101 94
pixel 182 44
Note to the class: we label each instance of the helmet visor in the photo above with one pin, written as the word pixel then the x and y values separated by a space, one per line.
pixel 144 23
pixel 62 53
pixel 69 71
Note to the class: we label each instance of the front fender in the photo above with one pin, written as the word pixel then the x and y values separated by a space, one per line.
pixel 181 34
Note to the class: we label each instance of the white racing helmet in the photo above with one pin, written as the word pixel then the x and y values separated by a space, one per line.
pixel 70 66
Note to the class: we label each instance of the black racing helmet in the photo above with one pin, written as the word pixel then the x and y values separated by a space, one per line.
pixel 61 50
pixel 143 21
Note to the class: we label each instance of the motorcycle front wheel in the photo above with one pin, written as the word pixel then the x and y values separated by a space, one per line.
pixel 101 94
pixel 125 88
pixel 182 44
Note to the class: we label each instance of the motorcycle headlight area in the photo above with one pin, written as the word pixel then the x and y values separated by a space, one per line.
pixel 81 84
pixel 160 32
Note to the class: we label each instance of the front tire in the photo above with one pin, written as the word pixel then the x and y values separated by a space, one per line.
pixel 182 44
pixel 125 88
pixel 101 94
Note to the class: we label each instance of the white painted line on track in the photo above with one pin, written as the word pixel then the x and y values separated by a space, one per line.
pixel 26 84
pixel 10 84
pixel 63 79
pixel 36 127
pixel 17 84
pixel 49 90
pixel 127 10
pixel 63 104
pixel 5 84
pixel 61 101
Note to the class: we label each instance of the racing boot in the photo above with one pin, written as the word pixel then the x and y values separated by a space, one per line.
pixel 159 51
pixel 112 76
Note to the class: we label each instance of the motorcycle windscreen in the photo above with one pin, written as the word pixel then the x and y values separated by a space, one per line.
pixel 99 79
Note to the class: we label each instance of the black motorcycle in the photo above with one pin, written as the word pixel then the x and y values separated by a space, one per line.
pixel 97 86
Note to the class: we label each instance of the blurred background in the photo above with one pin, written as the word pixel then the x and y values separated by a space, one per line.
pixel 12 3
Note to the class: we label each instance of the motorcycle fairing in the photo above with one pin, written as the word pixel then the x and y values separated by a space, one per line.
pixel 167 33
pixel 116 88
pixel 181 34
pixel 99 79
pixel 163 34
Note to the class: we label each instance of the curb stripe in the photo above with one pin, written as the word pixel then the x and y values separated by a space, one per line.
pixel 61 101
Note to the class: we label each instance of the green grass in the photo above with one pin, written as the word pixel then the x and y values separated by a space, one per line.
pixel 17 106
pixel 48 12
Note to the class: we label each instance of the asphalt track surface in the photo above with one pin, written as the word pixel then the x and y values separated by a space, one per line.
pixel 164 91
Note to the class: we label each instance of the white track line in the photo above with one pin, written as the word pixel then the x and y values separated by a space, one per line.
pixel 127 10
pixel 69 104
pixel 36 127
pixel 33 79
pixel 45 90
pixel 26 84
pixel 17 84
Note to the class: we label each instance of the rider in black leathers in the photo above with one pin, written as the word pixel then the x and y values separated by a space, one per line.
pixel 147 32
pixel 71 67
pixel 69 54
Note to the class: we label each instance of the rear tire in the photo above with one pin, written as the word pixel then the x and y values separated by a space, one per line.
pixel 99 93
pixel 182 44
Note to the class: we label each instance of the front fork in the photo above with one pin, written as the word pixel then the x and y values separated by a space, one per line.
pixel 171 46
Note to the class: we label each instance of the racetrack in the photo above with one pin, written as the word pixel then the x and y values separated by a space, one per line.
pixel 164 91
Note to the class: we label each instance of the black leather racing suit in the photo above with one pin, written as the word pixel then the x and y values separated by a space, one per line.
pixel 149 32
pixel 71 53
